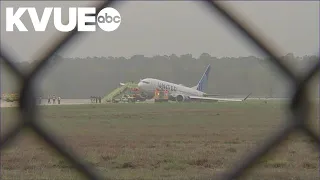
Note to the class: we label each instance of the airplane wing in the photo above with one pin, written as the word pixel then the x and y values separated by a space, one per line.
pixel 218 99
pixel 208 95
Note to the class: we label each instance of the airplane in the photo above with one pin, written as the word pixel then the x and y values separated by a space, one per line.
pixel 181 93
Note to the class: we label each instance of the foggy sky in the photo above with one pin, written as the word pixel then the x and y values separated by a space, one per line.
pixel 152 28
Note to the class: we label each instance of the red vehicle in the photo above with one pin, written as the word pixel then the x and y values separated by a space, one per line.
pixel 161 96
pixel 136 94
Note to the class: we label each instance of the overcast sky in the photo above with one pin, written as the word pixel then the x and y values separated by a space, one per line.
pixel 152 28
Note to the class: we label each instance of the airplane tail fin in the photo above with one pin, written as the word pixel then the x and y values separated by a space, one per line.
pixel 246 97
pixel 203 82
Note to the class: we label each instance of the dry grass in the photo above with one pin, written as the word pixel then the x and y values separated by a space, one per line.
pixel 159 141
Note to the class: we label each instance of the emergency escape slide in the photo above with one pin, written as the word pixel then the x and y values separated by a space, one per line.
pixel 118 91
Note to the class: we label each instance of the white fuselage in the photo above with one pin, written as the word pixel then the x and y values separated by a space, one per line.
pixel 149 85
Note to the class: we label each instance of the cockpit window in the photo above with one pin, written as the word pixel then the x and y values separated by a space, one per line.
pixel 146 82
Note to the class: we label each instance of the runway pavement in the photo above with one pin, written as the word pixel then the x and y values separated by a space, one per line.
pixel 45 102
pixel 88 101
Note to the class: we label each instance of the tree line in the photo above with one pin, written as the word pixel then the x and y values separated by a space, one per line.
pixel 96 76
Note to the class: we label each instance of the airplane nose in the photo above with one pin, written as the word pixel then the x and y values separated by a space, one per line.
pixel 139 84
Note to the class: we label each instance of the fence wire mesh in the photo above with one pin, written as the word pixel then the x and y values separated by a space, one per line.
pixel 299 106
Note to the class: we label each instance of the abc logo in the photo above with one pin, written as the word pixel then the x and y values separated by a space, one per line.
pixel 109 19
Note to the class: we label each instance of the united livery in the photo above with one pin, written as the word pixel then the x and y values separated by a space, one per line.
pixel 163 86
pixel 178 92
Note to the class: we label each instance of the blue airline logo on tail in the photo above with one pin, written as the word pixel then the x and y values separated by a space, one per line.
pixel 203 83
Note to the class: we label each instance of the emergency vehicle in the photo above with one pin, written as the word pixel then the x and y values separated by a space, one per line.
pixel 161 95
pixel 133 95
pixel 12 97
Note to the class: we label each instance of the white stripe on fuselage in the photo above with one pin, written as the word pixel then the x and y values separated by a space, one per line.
pixel 173 89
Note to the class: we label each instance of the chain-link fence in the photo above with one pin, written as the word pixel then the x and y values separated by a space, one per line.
pixel 299 106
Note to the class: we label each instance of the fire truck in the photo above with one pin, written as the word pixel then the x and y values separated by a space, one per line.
pixel 137 94
pixel 11 97
pixel 161 96
pixel 133 95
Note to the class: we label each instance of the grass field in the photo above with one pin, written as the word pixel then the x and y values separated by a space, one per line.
pixel 160 141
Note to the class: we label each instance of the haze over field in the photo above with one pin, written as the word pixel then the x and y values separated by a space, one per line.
pixel 171 46
pixel 82 78
pixel 172 41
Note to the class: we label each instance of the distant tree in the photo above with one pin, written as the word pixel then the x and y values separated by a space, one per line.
pixel 205 56
pixel 84 77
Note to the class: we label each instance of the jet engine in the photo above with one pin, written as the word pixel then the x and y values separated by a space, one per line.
pixel 181 98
